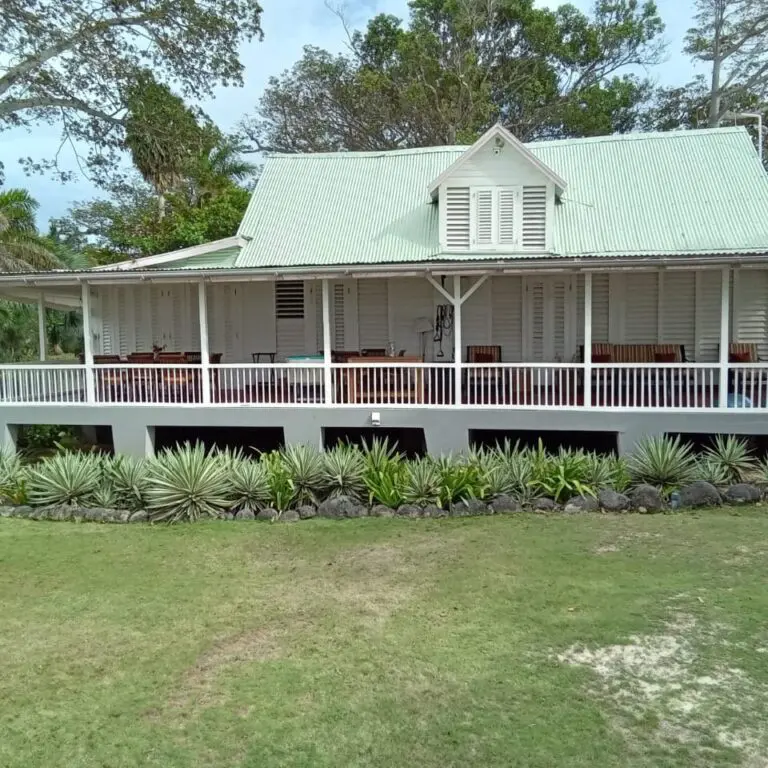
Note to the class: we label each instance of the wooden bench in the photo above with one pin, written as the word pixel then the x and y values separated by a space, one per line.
pixel 635 353
pixel 384 383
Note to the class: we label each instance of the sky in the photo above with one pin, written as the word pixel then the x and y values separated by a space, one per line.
pixel 288 26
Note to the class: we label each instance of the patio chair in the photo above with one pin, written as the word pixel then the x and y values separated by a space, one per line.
pixel 479 380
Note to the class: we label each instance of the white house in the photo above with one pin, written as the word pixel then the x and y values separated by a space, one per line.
pixel 616 284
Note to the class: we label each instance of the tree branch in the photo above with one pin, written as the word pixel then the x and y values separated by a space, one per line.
pixel 44 102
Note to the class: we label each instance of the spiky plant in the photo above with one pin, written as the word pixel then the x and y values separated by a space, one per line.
pixel 106 497
pixel 129 477
pixel 462 478
pixel 250 483
pixel 64 478
pixel 304 465
pixel 665 462
pixel 187 484
pixel 344 472
pixel 12 477
pixel 710 470
pixel 598 471
pixel 563 476
pixel 733 456
pixel 421 482
pixel 621 480
pixel 282 490
pixel 380 454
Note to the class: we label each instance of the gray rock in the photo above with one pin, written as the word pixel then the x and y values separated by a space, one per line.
pixel 123 515
pixel 382 511
pixel 267 515
pixel 23 510
pixel 7 511
pixel 93 515
pixel 60 513
pixel 543 504
pixel 290 516
pixel 227 516
pixel 700 494
pixel 408 510
pixel 646 498
pixel 357 510
pixel 141 516
pixel 505 505
pixel 38 513
pixel 743 493
pixel 477 507
pixel 432 510
pixel 611 501
pixel 306 511
pixel 578 504
pixel 245 514
pixel 339 506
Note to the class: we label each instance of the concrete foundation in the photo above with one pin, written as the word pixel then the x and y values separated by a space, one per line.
pixel 446 429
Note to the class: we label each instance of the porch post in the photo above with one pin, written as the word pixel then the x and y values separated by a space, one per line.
pixel 457 371
pixel 327 372
pixel 587 339
pixel 205 357
pixel 90 390
pixel 41 325
pixel 725 336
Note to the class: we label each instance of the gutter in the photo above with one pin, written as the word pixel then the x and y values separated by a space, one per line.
pixel 498 266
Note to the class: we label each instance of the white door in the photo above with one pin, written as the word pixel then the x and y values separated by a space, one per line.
pixel 549 310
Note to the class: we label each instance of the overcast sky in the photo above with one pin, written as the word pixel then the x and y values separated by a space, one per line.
pixel 288 26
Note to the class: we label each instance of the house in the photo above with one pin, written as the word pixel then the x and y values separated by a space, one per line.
pixel 614 285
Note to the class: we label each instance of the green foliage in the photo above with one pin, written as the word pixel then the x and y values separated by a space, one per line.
pixel 12 478
pixel 304 465
pixel 343 472
pixel 562 476
pixel 421 482
pixel 662 461
pixel 282 489
pixel 462 479
pixel 187 484
pixel 621 479
pixel 384 469
pixel 250 483
pixel 710 470
pixel 65 478
pixel 21 248
pixel 129 477
pixel 733 456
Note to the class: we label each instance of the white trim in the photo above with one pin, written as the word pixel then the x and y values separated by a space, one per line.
pixel 492 133
pixel 205 359
pixel 327 370
pixel 660 307
pixel 90 389
pixel 457 355
pixel 439 288
pixel 588 340
pixel 170 256
pixel 725 295
pixel 473 287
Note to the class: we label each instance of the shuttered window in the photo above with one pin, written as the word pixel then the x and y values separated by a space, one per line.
pixel 289 300
pixel 457 232
pixel 493 221
pixel 506 220
pixel 535 218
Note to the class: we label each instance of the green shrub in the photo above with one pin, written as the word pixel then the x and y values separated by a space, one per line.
pixel 65 478
pixel 664 462
pixel 621 479
pixel 421 482
pixel 282 490
pixel 511 471
pixel 462 478
pixel 129 478
pixel 304 466
pixel 383 475
pixel 598 471
pixel 250 483
pixel 733 456
pixel 563 476
pixel 186 484
pixel 710 471
pixel 343 472
pixel 13 482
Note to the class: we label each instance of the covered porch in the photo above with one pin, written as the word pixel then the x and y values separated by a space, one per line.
pixel 637 339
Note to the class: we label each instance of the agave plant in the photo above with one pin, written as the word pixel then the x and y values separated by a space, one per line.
pixel 733 456
pixel 304 466
pixel 129 479
pixel 380 454
pixel 598 471
pixel 563 476
pixel 344 472
pixel 106 497
pixel 662 461
pixel 710 470
pixel 421 482
pixel 621 480
pixel 282 490
pixel 187 484
pixel 462 479
pixel 65 478
pixel 517 471
pixel 12 477
pixel 250 482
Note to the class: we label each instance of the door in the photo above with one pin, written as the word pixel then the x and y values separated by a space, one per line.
pixel 549 307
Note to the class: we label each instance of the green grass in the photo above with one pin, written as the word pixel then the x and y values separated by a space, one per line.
pixel 384 642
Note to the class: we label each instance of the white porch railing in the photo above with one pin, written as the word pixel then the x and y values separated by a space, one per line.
pixel 629 386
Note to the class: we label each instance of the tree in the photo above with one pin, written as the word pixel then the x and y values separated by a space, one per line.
pixel 21 249
pixel 74 62
pixel 731 36
pixel 459 66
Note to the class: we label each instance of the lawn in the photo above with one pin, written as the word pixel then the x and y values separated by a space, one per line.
pixel 497 641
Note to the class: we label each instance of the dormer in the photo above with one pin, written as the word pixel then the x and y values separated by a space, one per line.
pixel 497 197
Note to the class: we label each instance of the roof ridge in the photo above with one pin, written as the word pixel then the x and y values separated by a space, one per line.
pixel 369 153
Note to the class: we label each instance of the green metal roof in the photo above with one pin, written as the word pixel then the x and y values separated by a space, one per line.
pixel 222 259
pixel 680 193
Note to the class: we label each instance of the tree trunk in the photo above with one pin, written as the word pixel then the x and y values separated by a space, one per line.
pixel 714 94
pixel 161 206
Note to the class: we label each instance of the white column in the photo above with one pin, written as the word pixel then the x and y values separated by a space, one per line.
pixel 725 335
pixel 587 339
pixel 205 356
pixel 41 325
pixel 327 373
pixel 457 371
pixel 90 390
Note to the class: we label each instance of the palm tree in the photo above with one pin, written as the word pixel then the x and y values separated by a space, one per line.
pixel 21 248
pixel 217 168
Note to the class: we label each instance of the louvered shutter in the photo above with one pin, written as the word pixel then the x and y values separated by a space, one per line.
pixel 641 308
pixel 750 309
pixel 109 322
pixel 507 318
pixel 559 294
pixel 475 319
pixel 708 315
pixel 142 314
pixel 290 310
pixel 535 218
pixel 373 313
pixel 483 218
pixel 678 310
pixel 536 320
pixel 507 234
pixel 337 328
pixel 457 217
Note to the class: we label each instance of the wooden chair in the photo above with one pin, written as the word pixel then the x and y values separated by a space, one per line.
pixel 139 358
pixel 743 352
pixel 485 378
pixel 383 384
pixel 373 352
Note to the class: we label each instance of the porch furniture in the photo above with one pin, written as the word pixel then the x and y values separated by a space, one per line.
pixel 482 378
pixel 256 356
pixel 373 352
pixel 384 384
pixel 304 385
pixel 740 352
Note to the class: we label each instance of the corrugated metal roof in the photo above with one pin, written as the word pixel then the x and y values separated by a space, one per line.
pixel 686 192
pixel 222 259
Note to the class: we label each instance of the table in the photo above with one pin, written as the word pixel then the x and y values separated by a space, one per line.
pixel 256 356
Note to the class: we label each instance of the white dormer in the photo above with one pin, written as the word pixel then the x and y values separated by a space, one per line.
pixel 498 196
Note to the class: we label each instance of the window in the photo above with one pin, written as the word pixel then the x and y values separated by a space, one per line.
pixel 289 300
